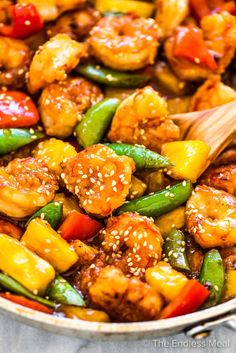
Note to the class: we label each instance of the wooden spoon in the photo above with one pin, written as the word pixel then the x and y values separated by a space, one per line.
pixel 216 127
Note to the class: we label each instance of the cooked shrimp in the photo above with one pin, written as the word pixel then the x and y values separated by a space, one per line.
pixel 140 237
pixel 141 119
pixel 227 157
pixel 223 177
pixel 99 177
pixel 211 94
pixel 220 35
pixel 170 14
pixel 125 299
pixel 76 25
pixel 61 104
pixel 15 58
pixel 50 9
pixel 125 43
pixel 211 217
pixel 54 60
pixel 25 185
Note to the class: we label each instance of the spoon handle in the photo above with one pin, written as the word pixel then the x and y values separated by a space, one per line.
pixel 215 127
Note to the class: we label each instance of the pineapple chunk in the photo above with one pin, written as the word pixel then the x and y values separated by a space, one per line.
pixel 170 220
pixel 189 158
pixel 48 244
pixel 53 152
pixel 166 280
pixel 24 266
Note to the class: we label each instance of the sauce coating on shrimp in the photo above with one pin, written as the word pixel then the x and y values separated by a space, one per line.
pixel 61 104
pixel 141 238
pixel 15 58
pixel 211 217
pixel 53 60
pixel 100 179
pixel 222 177
pixel 146 122
pixel 124 42
pixel 125 299
pixel 25 185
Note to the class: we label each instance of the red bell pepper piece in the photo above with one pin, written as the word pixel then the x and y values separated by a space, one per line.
pixel 79 226
pixel 190 45
pixel 17 110
pixel 28 303
pixel 10 229
pixel 192 296
pixel 25 21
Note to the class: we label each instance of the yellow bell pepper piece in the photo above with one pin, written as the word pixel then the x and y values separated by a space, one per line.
pixel 170 220
pixel 48 244
pixel 230 284
pixel 165 280
pixel 27 268
pixel 189 158
pixel 75 312
pixel 53 152
pixel 140 8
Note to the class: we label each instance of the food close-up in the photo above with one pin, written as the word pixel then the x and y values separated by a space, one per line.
pixel 110 209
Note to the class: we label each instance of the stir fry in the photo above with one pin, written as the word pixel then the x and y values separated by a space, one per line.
pixel 105 213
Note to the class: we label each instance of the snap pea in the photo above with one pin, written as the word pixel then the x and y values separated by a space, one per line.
pixel 113 13
pixel 160 202
pixel 175 251
pixel 62 292
pixel 212 275
pixel 52 213
pixel 96 121
pixel 12 139
pixel 143 158
pixel 111 77
pixel 12 285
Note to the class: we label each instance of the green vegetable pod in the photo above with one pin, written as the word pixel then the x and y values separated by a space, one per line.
pixel 113 13
pixel 62 292
pixel 12 285
pixel 111 77
pixel 212 276
pixel 175 250
pixel 96 121
pixel 143 158
pixel 161 202
pixel 52 213
pixel 12 139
